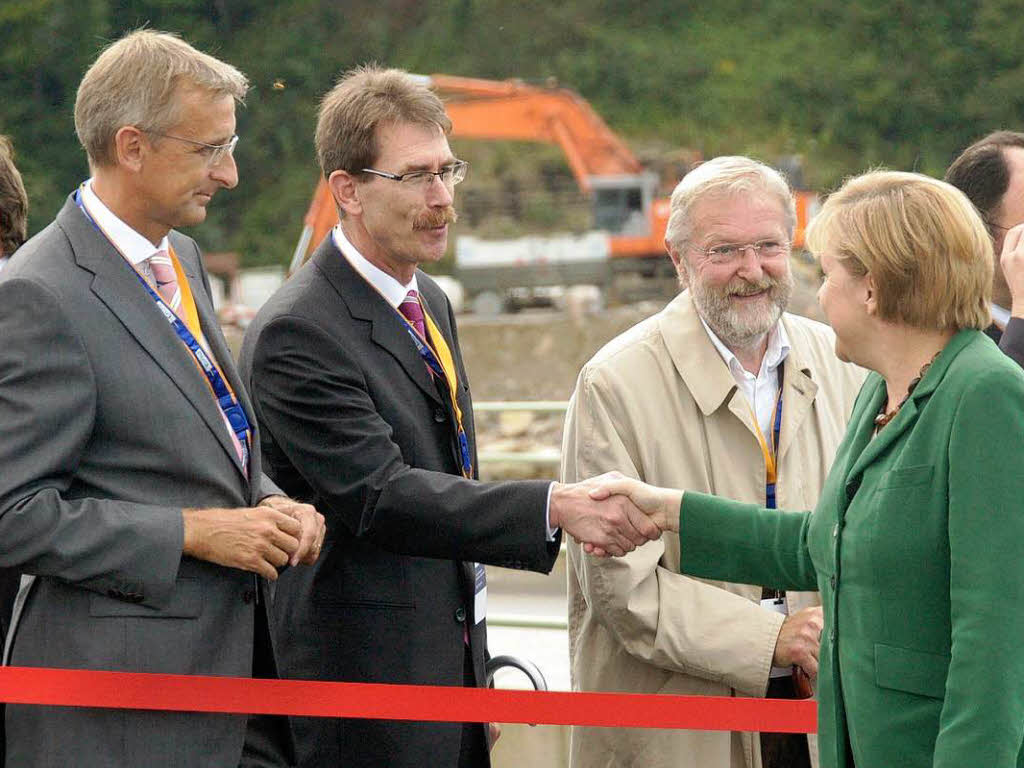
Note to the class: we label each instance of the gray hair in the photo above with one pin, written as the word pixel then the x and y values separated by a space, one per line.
pixel 724 176
pixel 135 81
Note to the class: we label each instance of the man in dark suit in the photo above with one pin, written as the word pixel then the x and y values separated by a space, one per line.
pixel 991 173
pixel 358 380
pixel 132 490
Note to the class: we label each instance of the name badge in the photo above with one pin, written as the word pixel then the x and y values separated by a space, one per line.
pixel 778 605
pixel 479 593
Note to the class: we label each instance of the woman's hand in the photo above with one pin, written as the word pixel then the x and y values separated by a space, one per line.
pixel 661 505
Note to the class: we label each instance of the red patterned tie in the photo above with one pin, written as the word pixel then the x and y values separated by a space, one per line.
pixel 413 312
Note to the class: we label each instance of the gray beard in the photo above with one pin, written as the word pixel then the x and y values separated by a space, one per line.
pixel 742 327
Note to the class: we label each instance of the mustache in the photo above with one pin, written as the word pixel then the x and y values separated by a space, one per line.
pixel 741 287
pixel 436 218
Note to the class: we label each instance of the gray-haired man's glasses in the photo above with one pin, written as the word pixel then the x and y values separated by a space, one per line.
pixel 450 175
pixel 214 154
pixel 730 253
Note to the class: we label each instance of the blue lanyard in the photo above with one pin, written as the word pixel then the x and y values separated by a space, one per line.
pixel 769 491
pixel 231 408
pixel 430 358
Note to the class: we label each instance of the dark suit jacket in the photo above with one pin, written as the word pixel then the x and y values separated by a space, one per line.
pixel 109 430
pixel 915 546
pixel 1011 341
pixel 354 424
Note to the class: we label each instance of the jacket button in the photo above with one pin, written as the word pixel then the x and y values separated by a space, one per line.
pixel 460 615
pixel 135 597
pixel 439 416
pixel 248 596
pixel 832 581
pixel 832 636
pixel 835 531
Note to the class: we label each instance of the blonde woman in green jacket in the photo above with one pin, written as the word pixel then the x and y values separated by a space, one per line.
pixel 917 542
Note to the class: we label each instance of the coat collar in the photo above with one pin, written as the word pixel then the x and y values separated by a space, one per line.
pixel 365 303
pixel 866 449
pixel 116 284
pixel 710 382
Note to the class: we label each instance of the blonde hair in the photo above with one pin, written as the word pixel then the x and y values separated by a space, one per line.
pixel 364 98
pixel 923 243
pixel 13 202
pixel 723 177
pixel 135 81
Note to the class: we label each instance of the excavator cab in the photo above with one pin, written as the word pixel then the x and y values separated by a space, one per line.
pixel 621 203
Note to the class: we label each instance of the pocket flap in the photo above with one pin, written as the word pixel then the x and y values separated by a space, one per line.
pixel 901 477
pixel 186 603
pixel 903 669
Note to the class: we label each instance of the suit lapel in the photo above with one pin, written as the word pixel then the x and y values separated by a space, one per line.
pixel 117 285
pixel 210 325
pixel 908 413
pixel 364 303
pixel 798 392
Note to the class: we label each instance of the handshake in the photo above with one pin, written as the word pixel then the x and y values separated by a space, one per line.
pixel 612 514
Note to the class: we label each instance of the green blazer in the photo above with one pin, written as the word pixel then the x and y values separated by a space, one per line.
pixel 917 548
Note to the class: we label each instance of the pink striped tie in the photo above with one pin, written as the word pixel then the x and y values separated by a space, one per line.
pixel 169 290
pixel 166 280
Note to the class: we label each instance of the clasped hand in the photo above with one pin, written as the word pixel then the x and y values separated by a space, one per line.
pixel 259 539
pixel 612 514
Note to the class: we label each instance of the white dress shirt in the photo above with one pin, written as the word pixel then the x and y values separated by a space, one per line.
pixel 133 246
pixel 1000 316
pixel 389 287
pixel 3 262
pixel 762 390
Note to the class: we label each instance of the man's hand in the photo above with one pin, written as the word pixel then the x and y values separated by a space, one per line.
pixel 256 539
pixel 606 526
pixel 494 731
pixel 1012 262
pixel 311 537
pixel 659 505
pixel 799 639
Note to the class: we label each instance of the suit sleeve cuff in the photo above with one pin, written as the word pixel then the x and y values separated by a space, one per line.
pixel 550 533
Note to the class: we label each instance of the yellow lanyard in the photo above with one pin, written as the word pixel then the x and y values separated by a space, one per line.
pixel 768 448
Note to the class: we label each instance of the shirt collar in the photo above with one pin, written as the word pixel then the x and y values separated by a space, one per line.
pixel 389 287
pixel 777 350
pixel 1000 315
pixel 135 248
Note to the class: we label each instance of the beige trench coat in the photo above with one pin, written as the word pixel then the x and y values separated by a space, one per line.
pixel 659 403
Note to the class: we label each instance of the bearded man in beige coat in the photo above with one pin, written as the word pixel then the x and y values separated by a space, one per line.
pixel 707 395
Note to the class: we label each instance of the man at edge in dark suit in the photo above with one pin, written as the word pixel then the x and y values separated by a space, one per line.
pixel 357 378
pixel 991 173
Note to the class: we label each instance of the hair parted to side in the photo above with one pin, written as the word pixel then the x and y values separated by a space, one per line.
pixel 13 202
pixel 364 98
pixel 923 243
pixel 134 81
pixel 981 173
pixel 723 177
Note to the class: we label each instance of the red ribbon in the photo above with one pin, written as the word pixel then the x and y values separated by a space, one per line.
pixel 192 693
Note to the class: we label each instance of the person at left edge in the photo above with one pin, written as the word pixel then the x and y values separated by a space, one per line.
pixel 131 496
pixel 13 231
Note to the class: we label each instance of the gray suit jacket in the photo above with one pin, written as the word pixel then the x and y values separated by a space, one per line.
pixel 109 430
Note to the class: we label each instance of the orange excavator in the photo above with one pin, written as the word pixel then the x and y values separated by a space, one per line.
pixel 623 193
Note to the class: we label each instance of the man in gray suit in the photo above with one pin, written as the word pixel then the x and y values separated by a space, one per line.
pixel 132 491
